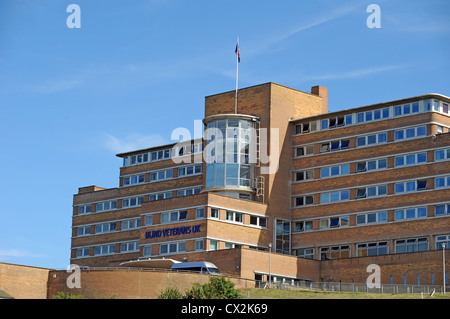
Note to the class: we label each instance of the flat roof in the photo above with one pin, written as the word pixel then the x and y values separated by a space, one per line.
pixel 378 105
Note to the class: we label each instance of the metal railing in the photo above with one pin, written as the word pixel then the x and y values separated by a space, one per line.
pixel 354 287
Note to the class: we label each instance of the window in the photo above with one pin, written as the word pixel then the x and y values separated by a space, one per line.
pixel 189 191
pixel 104 250
pixel 147 251
pixel 101 207
pixel 302 226
pixel 372 249
pixel 258 221
pixel 411 245
pixel 442 155
pixel 82 252
pixel 371 218
pixel 334 222
pixel 412 132
pixel 161 175
pixel 306 127
pixel 132 202
pixel 411 159
pixel 189 170
pixel 133 180
pixel 213 245
pixel 304 175
pixel 148 220
pixel 200 213
pixel 84 209
pixel 443 209
pixel 334 145
pixel 305 150
pixel 334 196
pixel 83 231
pixel 214 213
pixel 307 253
pixel 371 139
pixel 410 186
pixel 335 170
pixel 442 182
pixel 131 224
pixel 443 240
pixel 410 213
pixel 172 248
pixel 160 196
pixel 129 247
pixel 371 191
pixel 235 217
pixel 173 216
pixel 304 200
pixel 371 165
pixel 199 244
pixel 335 252
pixel 105 228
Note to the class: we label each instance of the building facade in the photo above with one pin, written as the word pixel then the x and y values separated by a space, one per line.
pixel 281 176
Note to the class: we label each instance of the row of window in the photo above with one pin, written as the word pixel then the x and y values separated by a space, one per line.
pixel 373 191
pixel 162 175
pixel 372 218
pixel 375 249
pixel 372 116
pixel 109 227
pixel 109 249
pixel 231 216
pixel 372 165
pixel 362 141
pixel 167 153
pixel 134 201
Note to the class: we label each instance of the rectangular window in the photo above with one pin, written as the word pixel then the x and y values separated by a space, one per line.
pixel 258 221
pixel 304 200
pixel 372 249
pixel 442 182
pixel 410 186
pixel 235 217
pixel 411 159
pixel 443 209
pixel 84 209
pixel 410 213
pixel 305 150
pixel 410 133
pixel 161 175
pixel 304 175
pixel 131 224
pixel 105 206
pixel 334 196
pixel 132 202
pixel 411 245
pixel 189 170
pixel 302 226
pixel 371 191
pixel 371 218
pixel 214 213
pixel 373 139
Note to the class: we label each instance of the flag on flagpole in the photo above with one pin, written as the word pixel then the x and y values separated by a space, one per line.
pixel 238 52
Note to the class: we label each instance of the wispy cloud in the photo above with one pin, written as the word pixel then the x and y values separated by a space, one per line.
pixel 357 73
pixel 17 253
pixel 131 142
pixel 270 41
pixel 55 86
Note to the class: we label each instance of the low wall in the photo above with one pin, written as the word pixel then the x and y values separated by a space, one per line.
pixel 128 283
pixel 24 282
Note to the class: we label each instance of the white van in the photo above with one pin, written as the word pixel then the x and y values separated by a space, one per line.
pixel 202 267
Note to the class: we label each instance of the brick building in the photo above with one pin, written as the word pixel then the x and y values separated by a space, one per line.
pixel 334 191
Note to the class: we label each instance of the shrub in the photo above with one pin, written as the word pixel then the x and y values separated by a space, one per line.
pixel 63 295
pixel 217 288
pixel 170 293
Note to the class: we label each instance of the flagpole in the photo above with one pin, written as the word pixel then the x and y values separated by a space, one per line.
pixel 237 77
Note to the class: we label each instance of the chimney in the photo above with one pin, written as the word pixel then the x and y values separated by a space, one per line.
pixel 323 93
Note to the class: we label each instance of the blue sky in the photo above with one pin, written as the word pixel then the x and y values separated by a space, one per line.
pixel 70 99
